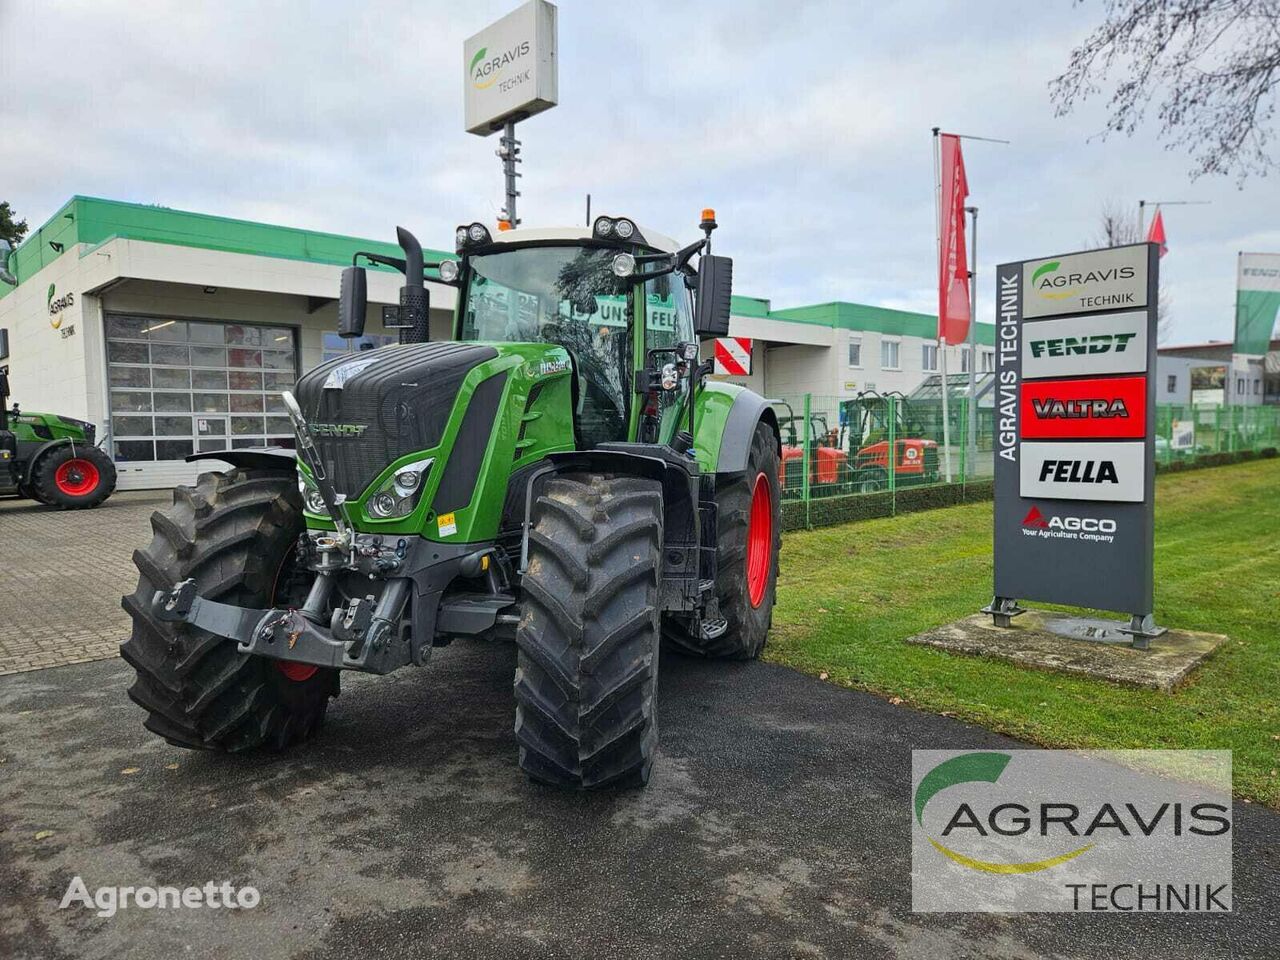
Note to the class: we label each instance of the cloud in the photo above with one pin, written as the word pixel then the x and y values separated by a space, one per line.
pixel 807 127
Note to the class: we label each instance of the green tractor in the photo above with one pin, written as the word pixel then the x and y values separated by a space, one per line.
pixel 559 474
pixel 50 458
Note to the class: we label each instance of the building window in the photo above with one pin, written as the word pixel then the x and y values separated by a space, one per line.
pixel 179 387
pixel 929 357
pixel 965 360
pixel 855 351
pixel 1240 386
pixel 1257 387
pixel 988 361
pixel 890 355
pixel 1171 385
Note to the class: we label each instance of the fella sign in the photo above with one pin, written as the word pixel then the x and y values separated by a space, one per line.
pixel 1075 433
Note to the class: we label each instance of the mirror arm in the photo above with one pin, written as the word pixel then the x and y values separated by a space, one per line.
pixel 395 262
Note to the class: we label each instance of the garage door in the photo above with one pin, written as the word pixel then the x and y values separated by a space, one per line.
pixel 177 387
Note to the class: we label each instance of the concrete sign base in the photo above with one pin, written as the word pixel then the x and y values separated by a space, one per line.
pixel 1091 647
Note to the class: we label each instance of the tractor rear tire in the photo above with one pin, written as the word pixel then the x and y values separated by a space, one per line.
pixel 588 639
pixel 73 477
pixel 235 534
pixel 746 575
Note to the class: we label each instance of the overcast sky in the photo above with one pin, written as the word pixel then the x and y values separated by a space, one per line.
pixel 806 125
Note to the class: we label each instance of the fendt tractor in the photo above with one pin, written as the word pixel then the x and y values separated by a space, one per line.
pixel 50 458
pixel 559 473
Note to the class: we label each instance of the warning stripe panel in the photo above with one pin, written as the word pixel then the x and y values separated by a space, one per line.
pixel 733 356
pixel 1100 408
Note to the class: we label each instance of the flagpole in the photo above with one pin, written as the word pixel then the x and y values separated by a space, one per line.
pixel 972 458
pixel 942 347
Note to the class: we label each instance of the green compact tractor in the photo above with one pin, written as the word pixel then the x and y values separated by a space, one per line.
pixel 50 458
pixel 559 473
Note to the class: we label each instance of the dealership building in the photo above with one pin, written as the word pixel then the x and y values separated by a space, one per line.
pixel 174 332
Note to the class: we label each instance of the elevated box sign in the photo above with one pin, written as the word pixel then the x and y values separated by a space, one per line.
pixel 510 68
pixel 1075 429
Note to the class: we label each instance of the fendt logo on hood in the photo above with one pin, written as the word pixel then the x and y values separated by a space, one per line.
pixel 341 431
pixel 1052 284
pixel 486 70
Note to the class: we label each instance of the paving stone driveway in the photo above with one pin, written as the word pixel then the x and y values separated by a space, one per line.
pixel 63 573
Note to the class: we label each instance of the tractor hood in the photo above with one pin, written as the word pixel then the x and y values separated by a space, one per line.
pixel 367 411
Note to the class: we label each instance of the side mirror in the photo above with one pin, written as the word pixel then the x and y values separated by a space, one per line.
pixel 353 301
pixel 714 296
pixel 6 249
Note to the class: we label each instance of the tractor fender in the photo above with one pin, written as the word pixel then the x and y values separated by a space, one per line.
pixel 749 408
pixel 29 467
pixel 261 458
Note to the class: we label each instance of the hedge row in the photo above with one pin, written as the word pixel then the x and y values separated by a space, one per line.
pixel 825 511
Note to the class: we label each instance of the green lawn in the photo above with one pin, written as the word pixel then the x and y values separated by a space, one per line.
pixel 850 594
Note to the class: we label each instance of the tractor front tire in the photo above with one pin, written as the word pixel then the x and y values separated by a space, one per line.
pixel 588 639
pixel 73 477
pixel 235 534
pixel 749 538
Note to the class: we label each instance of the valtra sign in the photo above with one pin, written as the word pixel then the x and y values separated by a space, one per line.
pixel 1110 407
pixel 1074 433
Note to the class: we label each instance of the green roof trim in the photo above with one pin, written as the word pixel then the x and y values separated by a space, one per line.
pixel 860 316
pixel 93 221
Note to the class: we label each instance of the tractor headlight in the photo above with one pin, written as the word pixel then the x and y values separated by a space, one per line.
pixel 624 228
pixel 448 270
pixel 603 227
pixel 476 233
pixel 460 237
pixel 624 265
pixel 399 494
pixel 312 502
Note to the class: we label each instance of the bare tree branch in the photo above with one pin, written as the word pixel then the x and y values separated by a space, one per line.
pixel 1211 67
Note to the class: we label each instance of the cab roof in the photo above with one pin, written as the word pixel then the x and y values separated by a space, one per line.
pixel 657 241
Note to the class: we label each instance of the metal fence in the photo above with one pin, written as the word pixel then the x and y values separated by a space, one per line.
pixel 851 457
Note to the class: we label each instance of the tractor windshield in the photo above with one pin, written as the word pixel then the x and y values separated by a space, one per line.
pixel 568 296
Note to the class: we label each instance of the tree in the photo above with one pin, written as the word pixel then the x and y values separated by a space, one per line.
pixel 11 229
pixel 1212 65
pixel 1116 228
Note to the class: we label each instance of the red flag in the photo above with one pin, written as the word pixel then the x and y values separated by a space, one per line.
pixel 1156 233
pixel 953 261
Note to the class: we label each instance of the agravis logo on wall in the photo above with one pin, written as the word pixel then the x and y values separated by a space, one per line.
pixel 1056 830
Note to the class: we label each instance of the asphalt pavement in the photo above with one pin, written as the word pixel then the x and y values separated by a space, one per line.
pixel 776 825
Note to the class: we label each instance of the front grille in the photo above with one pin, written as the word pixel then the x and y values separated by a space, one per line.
pixel 402 396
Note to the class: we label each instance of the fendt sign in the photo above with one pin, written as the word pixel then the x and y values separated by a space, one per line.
pixel 1075 432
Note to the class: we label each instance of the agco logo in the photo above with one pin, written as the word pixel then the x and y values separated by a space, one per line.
pixel 1052 285
pixel 485 70
pixel 1079 346
pixel 57 306
pixel 339 430
pixel 1036 520
pixel 1051 409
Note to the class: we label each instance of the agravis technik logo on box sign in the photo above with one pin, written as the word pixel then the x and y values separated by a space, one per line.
pixel 1113 279
pixel 511 68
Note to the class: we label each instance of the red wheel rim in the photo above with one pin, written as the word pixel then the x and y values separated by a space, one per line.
pixel 296 671
pixel 759 540
pixel 77 477
pixel 291 669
